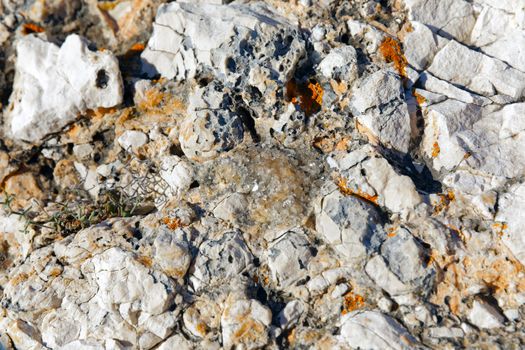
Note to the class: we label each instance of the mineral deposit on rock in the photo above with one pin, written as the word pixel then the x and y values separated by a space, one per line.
pixel 244 174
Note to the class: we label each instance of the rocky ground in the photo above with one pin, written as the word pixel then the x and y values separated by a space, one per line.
pixel 262 175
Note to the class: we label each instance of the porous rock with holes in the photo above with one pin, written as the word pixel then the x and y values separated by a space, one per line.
pixel 262 174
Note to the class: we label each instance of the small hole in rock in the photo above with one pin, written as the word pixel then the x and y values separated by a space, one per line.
pixel 102 79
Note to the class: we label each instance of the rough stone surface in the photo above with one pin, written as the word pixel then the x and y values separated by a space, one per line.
pixel 262 174
pixel 53 85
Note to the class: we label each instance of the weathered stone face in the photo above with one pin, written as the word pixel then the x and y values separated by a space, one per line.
pixel 218 174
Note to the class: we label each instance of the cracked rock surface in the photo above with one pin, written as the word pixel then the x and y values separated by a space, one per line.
pixel 244 174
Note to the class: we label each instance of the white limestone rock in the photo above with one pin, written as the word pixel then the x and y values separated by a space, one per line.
pixel 172 253
pixel 288 258
pixel 511 208
pixel 177 173
pixel 220 260
pixel 443 123
pixel 477 72
pixel 420 45
pixel 496 141
pixel 437 15
pixel 370 176
pixel 408 260
pixel 379 105
pixel 189 38
pixel 245 323
pixel 54 85
pixel 121 279
pixel 349 224
pixel 374 330
pixel 131 140
pixel 291 314
pixel 484 315
pixel 341 64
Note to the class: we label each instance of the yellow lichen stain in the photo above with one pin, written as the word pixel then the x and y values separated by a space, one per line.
pixel 435 150
pixel 499 228
pixel 249 331
pixel 444 201
pixel 344 189
pixel 28 28
pixel 290 337
pixel 202 328
pixel 100 112
pixel 352 302
pixel 391 51
pixel 172 223
pixel 156 101
pixel 19 279
pixel 145 260
pixel 340 88
pixel 329 144
pixel 308 96
pixel 55 272
pixel 107 5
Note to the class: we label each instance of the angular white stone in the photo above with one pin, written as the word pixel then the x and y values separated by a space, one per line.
pixel 189 37
pixel 420 45
pixel 340 63
pixel 245 323
pixel 288 258
pixel 477 72
pixel 437 15
pixel 511 209
pixel 177 173
pixel 374 330
pixel 484 315
pixel 53 85
pixel 132 139
pixel 379 106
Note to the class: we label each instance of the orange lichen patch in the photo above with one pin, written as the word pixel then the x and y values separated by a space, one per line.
pixel 145 260
pixel 328 144
pixel 172 223
pixel 391 232
pixel 352 302
pixel 435 150
pixel 308 96
pixel 28 28
pixel 499 228
pixel 342 145
pixel 100 112
pixel 156 101
pixel 419 98
pixel 55 272
pixel 19 279
pixel 340 88
pixel 344 189
pixel 73 130
pixel 290 337
pixel 137 47
pixel 444 201
pixel 249 331
pixel 202 328
pixel 391 51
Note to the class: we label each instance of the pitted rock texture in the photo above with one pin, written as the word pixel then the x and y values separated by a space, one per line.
pixel 245 174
